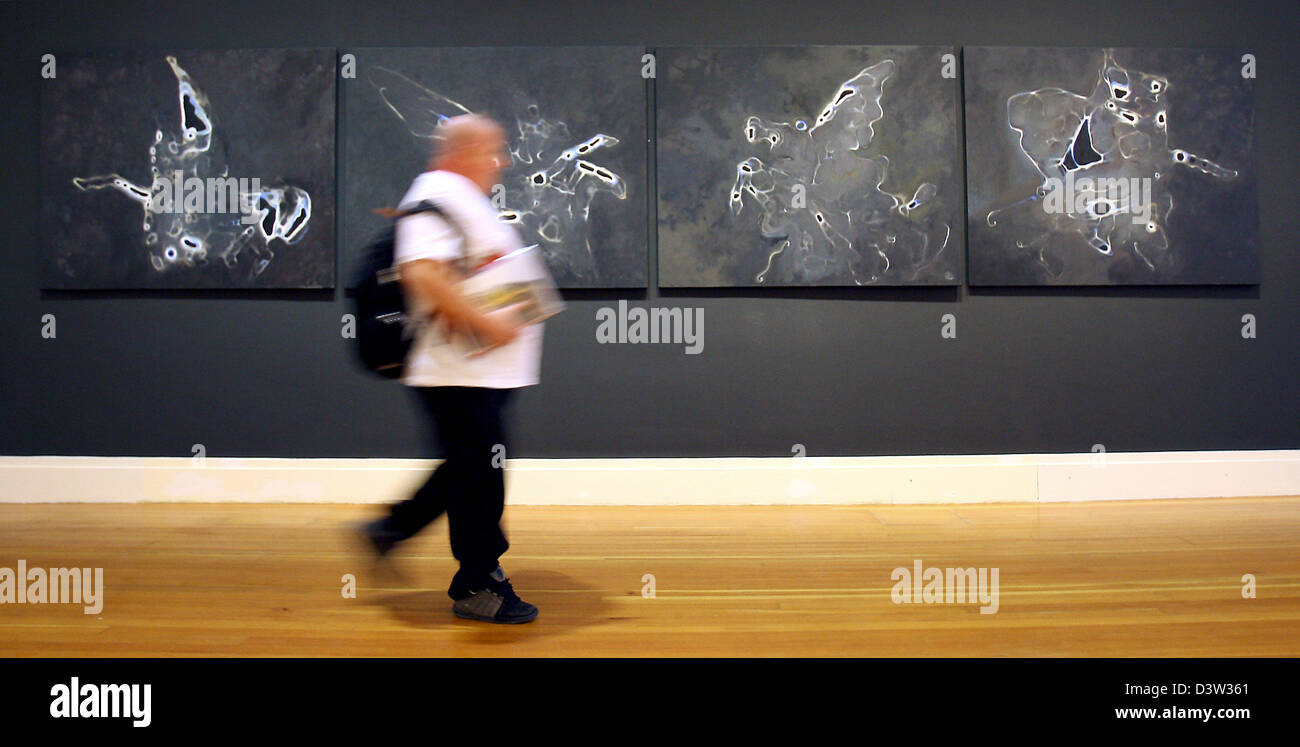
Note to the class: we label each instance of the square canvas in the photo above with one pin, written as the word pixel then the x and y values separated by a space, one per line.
pixel 575 119
pixel 800 166
pixel 1110 167
pixel 200 169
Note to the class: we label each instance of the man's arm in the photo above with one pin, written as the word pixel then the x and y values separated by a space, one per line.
pixel 426 243
pixel 433 283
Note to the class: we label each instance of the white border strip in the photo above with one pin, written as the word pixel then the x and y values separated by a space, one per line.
pixel 654 482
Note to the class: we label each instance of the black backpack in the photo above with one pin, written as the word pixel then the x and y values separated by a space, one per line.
pixel 384 336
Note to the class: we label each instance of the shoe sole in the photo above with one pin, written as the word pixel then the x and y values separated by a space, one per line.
pixel 483 618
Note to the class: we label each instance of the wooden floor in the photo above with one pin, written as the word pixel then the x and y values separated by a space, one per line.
pixel 1157 578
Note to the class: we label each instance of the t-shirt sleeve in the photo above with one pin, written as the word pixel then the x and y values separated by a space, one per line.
pixel 425 236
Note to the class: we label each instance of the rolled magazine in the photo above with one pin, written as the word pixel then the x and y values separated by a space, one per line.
pixel 518 284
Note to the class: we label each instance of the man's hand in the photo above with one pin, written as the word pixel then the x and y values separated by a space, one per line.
pixel 493 331
pixel 485 332
pixel 435 284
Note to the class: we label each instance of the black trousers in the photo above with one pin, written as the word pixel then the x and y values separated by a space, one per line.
pixel 469 485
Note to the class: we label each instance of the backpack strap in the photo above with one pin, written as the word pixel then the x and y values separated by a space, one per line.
pixel 429 206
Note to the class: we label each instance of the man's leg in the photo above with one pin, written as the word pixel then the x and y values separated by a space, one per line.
pixel 407 518
pixel 480 588
pixel 475 444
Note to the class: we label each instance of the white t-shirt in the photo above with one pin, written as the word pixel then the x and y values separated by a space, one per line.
pixel 478 235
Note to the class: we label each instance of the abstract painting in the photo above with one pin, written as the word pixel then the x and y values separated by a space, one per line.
pixel 793 166
pixel 1110 167
pixel 189 170
pixel 575 119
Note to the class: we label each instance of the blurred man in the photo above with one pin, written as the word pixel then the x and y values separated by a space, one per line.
pixel 463 395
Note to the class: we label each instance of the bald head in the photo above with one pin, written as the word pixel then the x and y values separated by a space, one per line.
pixel 473 146
pixel 465 131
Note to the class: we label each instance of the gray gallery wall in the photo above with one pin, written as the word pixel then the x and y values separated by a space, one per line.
pixel 842 371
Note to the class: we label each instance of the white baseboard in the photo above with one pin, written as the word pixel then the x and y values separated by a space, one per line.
pixel 623 482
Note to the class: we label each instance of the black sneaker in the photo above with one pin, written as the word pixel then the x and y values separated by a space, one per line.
pixel 378 537
pixel 493 601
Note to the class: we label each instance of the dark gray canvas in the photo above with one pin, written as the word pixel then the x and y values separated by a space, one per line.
pixel 116 128
pixel 808 166
pixel 1110 167
pixel 575 118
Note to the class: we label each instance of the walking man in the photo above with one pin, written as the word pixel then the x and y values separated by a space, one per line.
pixel 464 396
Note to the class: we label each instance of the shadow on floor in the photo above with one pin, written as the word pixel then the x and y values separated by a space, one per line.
pixel 564 603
